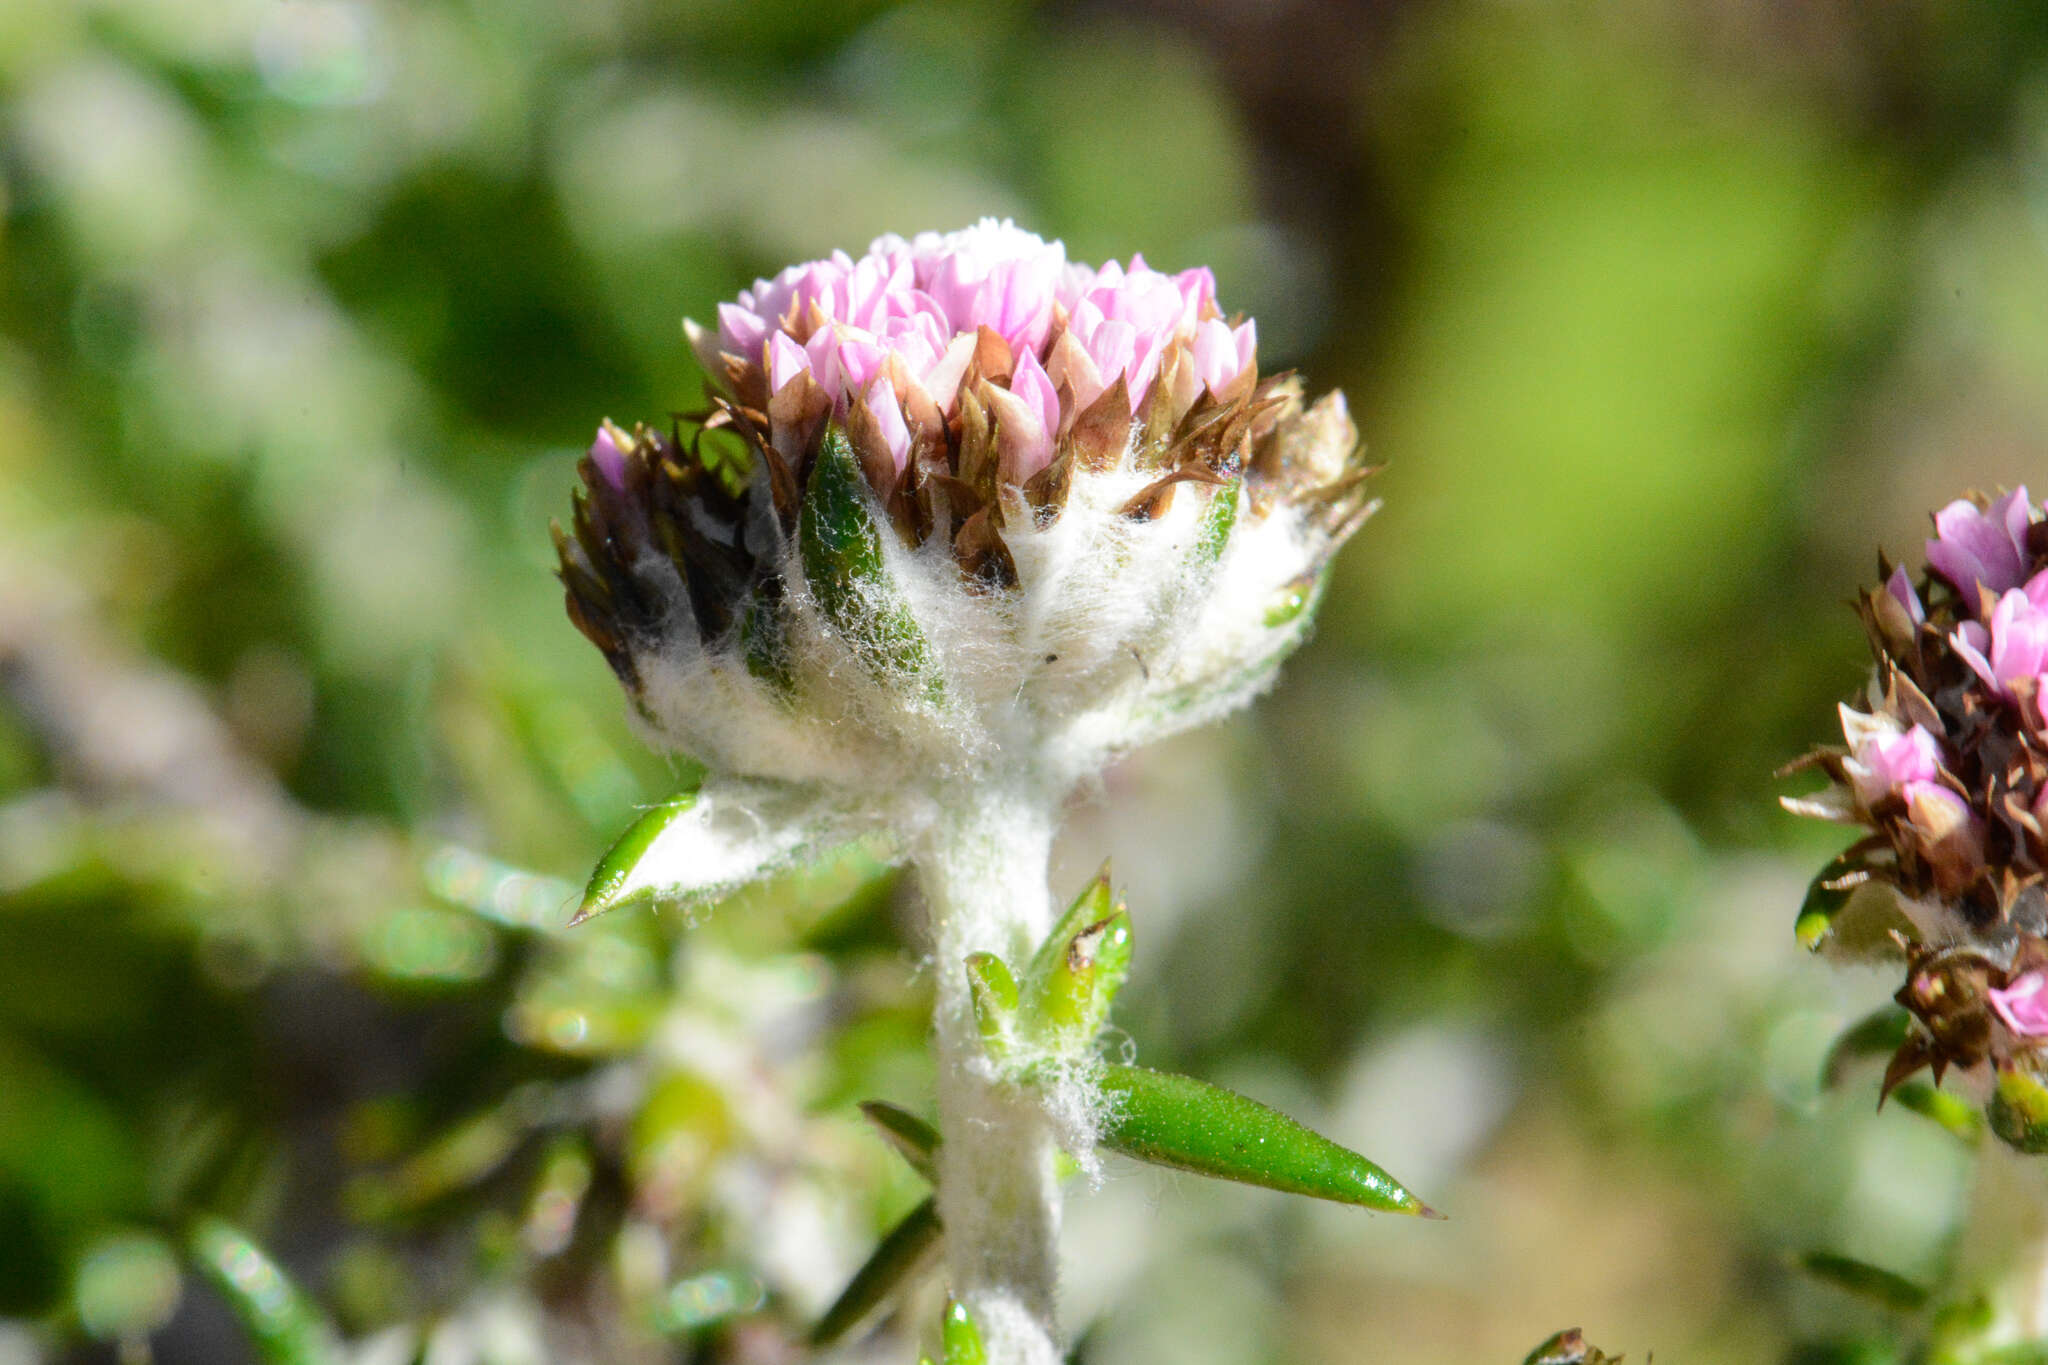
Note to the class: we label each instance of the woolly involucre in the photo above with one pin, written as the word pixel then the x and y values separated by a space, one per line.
pixel 1115 634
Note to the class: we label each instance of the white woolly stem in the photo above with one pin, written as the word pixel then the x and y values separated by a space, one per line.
pixel 983 869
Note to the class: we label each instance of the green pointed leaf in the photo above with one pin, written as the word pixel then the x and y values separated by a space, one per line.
pixel 1877 1034
pixel 2019 1112
pixel 283 1324
pixel 1944 1107
pixel 1824 900
pixel 839 538
pixel 901 1255
pixel 1095 902
pixel 1864 1280
pixel 698 846
pixel 1191 1125
pixel 960 1337
pixel 1850 911
pixel 994 992
pixel 612 881
pixel 916 1141
pixel 1070 1003
pixel 1060 987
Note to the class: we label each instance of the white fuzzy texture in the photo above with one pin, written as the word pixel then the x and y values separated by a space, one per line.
pixel 1115 635
pixel 982 866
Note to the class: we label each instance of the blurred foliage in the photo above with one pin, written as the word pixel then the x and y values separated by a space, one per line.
pixel 1661 322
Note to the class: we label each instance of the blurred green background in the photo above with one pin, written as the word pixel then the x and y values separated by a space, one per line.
pixel 1662 317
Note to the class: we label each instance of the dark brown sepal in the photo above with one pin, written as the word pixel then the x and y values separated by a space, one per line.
pixel 933 512
pixel 746 382
pixel 1101 434
pixel 1152 501
pixel 1916 1052
pixel 1161 416
pixel 992 357
pixel 983 556
pixel 1904 697
pixel 1047 490
pixel 1308 448
pixel 978 455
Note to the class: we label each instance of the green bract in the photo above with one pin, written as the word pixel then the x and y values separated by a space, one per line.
pixel 840 541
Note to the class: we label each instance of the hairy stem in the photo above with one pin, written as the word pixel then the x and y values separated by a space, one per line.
pixel 983 870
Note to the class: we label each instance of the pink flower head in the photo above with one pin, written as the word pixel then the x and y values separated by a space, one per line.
pixel 1883 760
pixel 912 310
pixel 1973 547
pixel 2023 1006
pixel 2014 647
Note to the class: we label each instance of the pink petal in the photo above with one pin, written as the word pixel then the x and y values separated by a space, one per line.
pixel 1901 587
pixel 2023 1006
pixel 786 360
pixel 1970 641
pixel 740 330
pixel 1030 383
pixel 608 453
pixel 942 380
pixel 1884 764
pixel 1973 546
pixel 881 400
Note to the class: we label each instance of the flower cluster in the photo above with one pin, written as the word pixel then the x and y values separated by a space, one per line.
pixel 983 500
pixel 1947 767
pixel 898 329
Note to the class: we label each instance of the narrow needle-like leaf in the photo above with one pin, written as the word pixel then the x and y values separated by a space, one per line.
pixel 916 1141
pixel 1864 1280
pixel 899 1256
pixel 1194 1126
